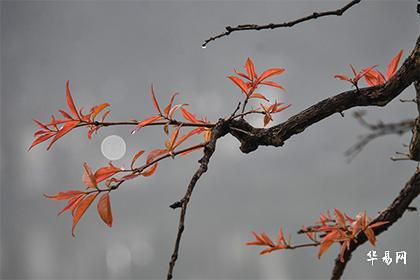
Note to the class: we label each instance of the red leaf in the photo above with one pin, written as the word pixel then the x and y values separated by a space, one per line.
pixel 105 115
pixel 273 84
pixel 104 209
pixel 188 116
pixel 324 247
pixel 188 135
pixel 81 209
pixel 136 157
pixel 64 195
pixel 174 109
pixel 374 78
pixel 41 125
pixel 249 66
pixel 88 178
pixel 392 67
pixel 155 103
pixel 154 154
pixel 241 74
pixel 268 73
pixel 63 131
pixel 241 84
pixel 343 77
pixel 70 102
pixel 171 100
pixel 65 115
pixel 150 171
pixel 258 96
pixel 97 109
pixel 146 122
pixel 363 72
pixel 41 139
pixel 70 204
pixel 106 172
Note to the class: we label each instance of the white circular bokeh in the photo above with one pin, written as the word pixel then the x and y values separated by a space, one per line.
pixel 113 147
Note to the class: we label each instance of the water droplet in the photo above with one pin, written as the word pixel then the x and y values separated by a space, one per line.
pixel 133 132
pixel 203 46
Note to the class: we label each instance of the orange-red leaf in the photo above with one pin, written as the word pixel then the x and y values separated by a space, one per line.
pixel 68 126
pixel 81 209
pixel 188 116
pixel 70 102
pixel 41 139
pixel 146 122
pixel 188 135
pixel 64 195
pixel 268 73
pixel 392 67
pixel 273 84
pixel 374 78
pixel 324 247
pixel 339 218
pixel 343 77
pixel 97 109
pixel 249 67
pixel 136 157
pixel 241 84
pixel 150 171
pixel 104 209
pixel 378 224
pixel 154 154
pixel 155 102
pixel 370 235
pixel 72 202
pixel 88 178
pixel 105 115
pixel 106 172
pixel 171 100
pixel 258 96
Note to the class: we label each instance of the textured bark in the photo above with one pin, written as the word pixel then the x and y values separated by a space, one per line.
pixel 415 140
pixel 391 214
pixel 251 137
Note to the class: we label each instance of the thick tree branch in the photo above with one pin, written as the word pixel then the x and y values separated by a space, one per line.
pixel 218 131
pixel 251 137
pixel 244 27
pixel 414 149
pixel 391 214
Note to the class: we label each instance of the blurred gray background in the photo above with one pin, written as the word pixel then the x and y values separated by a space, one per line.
pixel 111 52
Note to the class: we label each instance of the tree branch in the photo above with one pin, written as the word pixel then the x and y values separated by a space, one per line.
pixel 391 214
pixel 218 131
pixel 414 149
pixel 376 130
pixel 251 137
pixel 244 27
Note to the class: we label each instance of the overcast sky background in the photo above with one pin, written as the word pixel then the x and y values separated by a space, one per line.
pixel 112 52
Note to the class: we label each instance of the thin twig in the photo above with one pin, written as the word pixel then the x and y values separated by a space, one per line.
pixel 244 27
pixel 218 131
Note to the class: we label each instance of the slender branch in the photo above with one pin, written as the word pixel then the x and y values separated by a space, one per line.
pixel 371 96
pixel 245 27
pixel 414 148
pixel 218 131
pixel 376 130
pixel 391 214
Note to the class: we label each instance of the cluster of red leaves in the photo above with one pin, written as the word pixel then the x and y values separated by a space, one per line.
pixel 373 77
pixel 251 81
pixel 264 240
pixel 79 201
pixel 341 229
pixel 57 128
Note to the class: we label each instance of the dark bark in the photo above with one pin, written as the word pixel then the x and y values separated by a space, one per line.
pixel 251 138
pixel 391 214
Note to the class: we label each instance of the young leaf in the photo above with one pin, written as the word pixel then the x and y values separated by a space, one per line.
pixel 392 67
pixel 64 130
pixel 155 102
pixel 171 100
pixel 104 209
pixel 106 172
pixel 268 73
pixel 239 83
pixel 64 195
pixel 150 171
pixel 249 67
pixel 136 157
pixel 188 116
pixel 81 209
pixel 70 102
pixel 88 178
